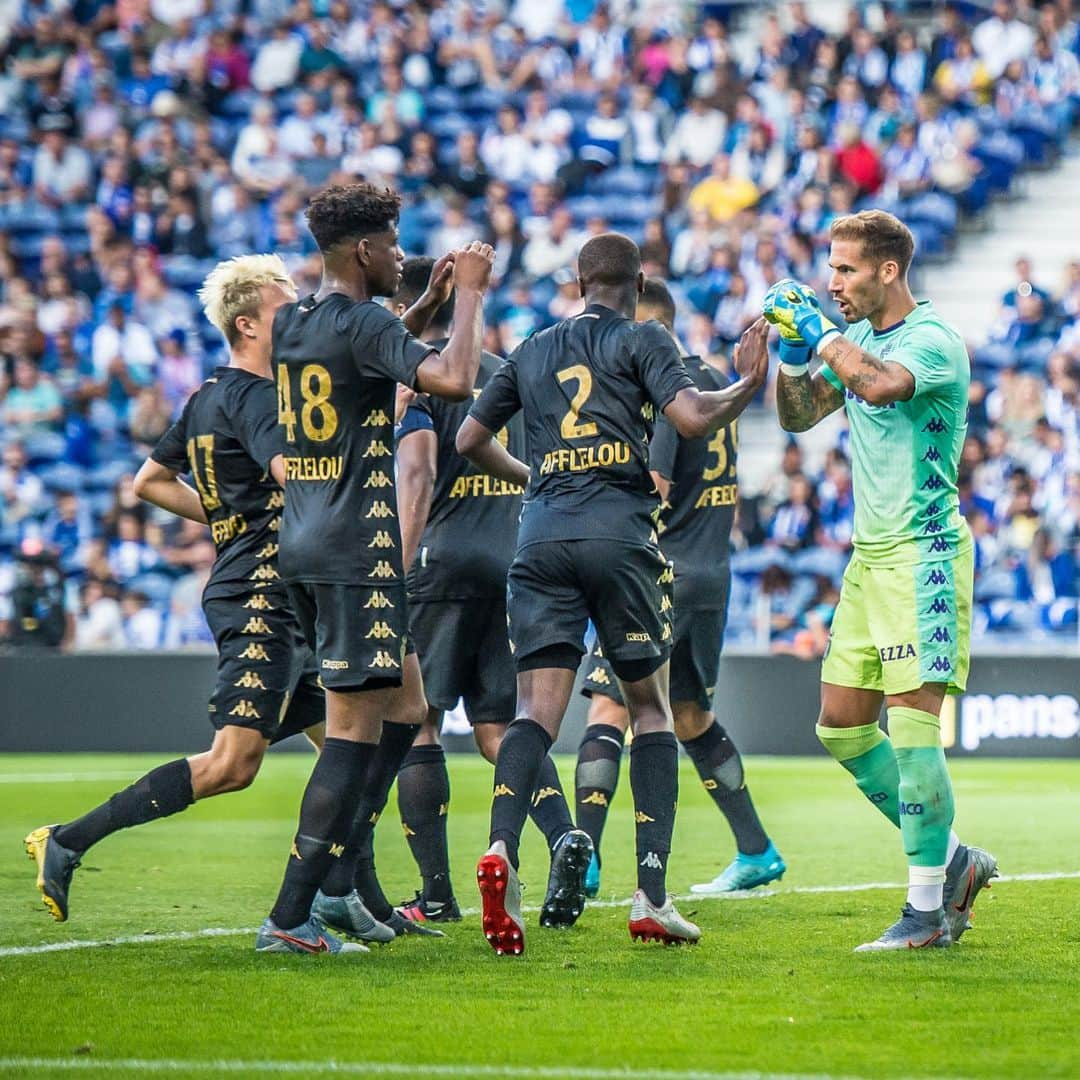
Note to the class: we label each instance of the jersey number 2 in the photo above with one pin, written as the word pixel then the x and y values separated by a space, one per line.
pixel 315 388
pixel 571 428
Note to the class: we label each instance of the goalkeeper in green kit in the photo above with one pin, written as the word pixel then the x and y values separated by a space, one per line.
pixel 902 627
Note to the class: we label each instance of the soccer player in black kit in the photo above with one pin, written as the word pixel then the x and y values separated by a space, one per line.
pixel 590 389
pixel 228 439
pixel 458 531
pixel 696 479
pixel 338 355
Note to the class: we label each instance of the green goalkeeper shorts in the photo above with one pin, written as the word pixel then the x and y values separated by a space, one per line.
pixel 897 627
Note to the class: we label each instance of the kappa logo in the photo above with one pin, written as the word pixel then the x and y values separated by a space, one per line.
pixel 936 426
pixel 937 577
pixel 376 418
pixel 933 454
pixel 667 577
pixel 277 501
pixel 940 635
pixel 245 710
pixel 637 635
pixel 376 449
pixel 641 817
pixel 940 546
pixel 666 635
pixel 933 510
pixel 264 573
pixel 597 798
pixel 599 675
pixel 652 861
pixel 378 600
pixel 256 625
pixel 259 603
pixel 938 607
pixel 250 681
pixel 382 569
pixel 381 631
pixel 382 539
pixel 379 510
pixel 335 665
pixel 275 525
pixel 373 817
pixel 337 850
pixel 384 660
pixel 502 789
pixel 406 830
pixel 267 552
pixel 933 527
pixel 932 483
pixel 255 652
pixel 666 605
pixel 444 809
pixel 378 479
pixel 710 784
pixel 544 793
pixel 941 663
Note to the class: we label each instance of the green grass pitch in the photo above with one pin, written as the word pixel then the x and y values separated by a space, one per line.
pixel 773 988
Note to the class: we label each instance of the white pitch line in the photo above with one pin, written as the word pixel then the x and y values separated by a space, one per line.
pixel 756 894
pixel 395 1068
pixel 64 778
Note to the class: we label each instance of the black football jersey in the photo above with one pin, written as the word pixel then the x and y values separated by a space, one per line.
pixel 226 438
pixel 336 362
pixel 471 531
pixel 695 523
pixel 590 389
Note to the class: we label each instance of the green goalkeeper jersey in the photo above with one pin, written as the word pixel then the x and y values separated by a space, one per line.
pixel 905 456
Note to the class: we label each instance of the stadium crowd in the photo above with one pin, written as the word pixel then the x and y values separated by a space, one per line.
pixel 142 141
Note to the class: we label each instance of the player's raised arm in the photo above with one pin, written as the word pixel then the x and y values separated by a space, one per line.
pixel 439 287
pixel 696 413
pixel 451 373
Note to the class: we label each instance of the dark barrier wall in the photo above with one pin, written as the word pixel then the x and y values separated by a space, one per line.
pixel 1015 706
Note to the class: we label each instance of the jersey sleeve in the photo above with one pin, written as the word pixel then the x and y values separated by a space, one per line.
pixel 499 400
pixel 663 448
pixel 925 353
pixel 384 348
pixel 171 448
pixel 417 418
pixel 256 423
pixel 659 365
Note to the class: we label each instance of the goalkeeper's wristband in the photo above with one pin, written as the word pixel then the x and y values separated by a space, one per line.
pixel 794 357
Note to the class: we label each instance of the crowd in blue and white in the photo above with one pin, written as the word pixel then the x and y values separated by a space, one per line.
pixel 142 140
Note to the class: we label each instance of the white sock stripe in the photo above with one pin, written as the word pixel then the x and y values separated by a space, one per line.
pixel 755 894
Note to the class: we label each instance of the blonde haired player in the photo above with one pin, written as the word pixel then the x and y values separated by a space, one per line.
pixel 902 628
pixel 229 440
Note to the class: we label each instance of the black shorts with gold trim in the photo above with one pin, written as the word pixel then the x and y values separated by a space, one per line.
pixel 266 677
pixel 359 633
pixel 464 652
pixel 695 660
pixel 555 588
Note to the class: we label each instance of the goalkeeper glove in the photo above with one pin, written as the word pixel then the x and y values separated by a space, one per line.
pixel 794 309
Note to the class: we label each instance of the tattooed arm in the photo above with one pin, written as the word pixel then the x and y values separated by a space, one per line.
pixel 803 400
pixel 877 382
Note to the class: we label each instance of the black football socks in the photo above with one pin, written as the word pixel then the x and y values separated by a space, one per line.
pixel 517 771
pixel 596 778
pixel 423 801
pixel 326 812
pixel 162 791
pixel 654 781
pixel 548 807
pixel 718 764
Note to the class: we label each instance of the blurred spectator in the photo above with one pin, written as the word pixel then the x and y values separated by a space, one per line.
pixel 33 404
pixel 142 624
pixel 99 623
pixel 721 194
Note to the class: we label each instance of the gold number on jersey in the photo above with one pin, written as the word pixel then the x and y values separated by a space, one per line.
pixel 718 447
pixel 502 437
pixel 315 389
pixel 570 428
pixel 286 415
pixel 317 403
pixel 205 481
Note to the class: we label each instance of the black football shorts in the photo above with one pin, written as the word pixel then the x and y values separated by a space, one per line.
pixel 554 589
pixel 359 634
pixel 464 652
pixel 266 678
pixel 695 659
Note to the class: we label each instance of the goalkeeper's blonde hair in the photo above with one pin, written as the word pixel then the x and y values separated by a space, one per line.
pixel 234 288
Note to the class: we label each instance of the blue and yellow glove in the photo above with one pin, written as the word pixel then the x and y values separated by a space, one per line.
pixel 794 310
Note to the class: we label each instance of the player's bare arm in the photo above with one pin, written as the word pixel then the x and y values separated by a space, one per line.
pixel 876 381
pixel 804 400
pixel 451 373
pixel 417 454
pixel 484 450
pixel 697 413
pixel 161 486
pixel 440 285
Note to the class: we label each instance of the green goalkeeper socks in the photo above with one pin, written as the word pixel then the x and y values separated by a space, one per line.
pixel 868 755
